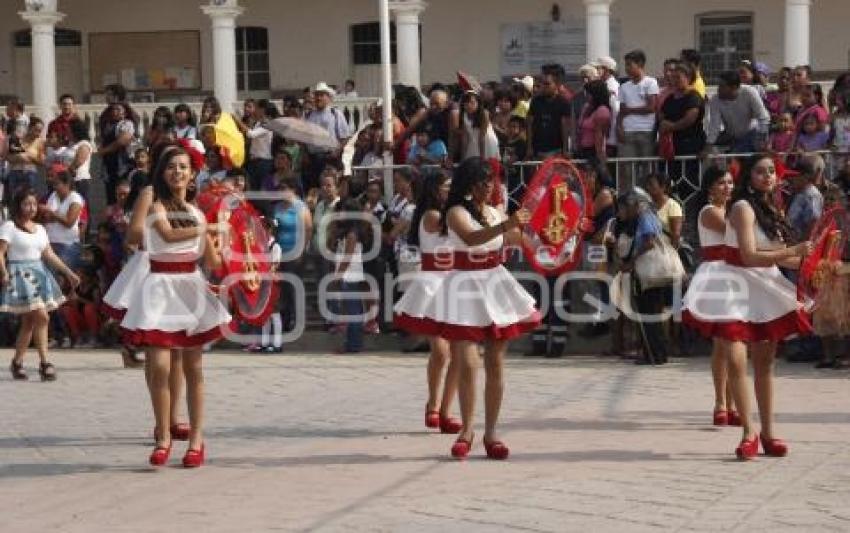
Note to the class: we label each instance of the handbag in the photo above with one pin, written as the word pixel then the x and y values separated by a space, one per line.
pixel 666 148
pixel 660 266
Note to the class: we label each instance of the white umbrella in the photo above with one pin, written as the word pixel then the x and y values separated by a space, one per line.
pixel 302 131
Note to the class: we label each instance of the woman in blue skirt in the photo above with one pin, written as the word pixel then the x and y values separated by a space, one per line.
pixel 28 288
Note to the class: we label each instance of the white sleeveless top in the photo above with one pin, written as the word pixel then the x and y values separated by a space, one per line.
pixel 493 217
pixel 763 242
pixel 491 141
pixel 430 243
pixel 707 236
pixel 158 247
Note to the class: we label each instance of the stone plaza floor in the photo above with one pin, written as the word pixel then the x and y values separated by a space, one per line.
pixel 337 443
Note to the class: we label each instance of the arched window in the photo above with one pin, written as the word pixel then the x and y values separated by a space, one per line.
pixel 252 59
pixel 724 40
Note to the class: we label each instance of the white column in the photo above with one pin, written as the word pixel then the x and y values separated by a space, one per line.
pixel 598 28
pixel 407 40
pixel 223 14
pixel 43 59
pixel 797 32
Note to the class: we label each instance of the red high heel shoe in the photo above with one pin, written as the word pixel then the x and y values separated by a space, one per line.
pixel 160 455
pixel 195 458
pixel 432 419
pixel 721 418
pixel 774 447
pixel 734 419
pixel 748 449
pixel 450 425
pixel 496 450
pixel 461 447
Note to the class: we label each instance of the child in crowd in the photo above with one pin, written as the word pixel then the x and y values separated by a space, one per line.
pixel 110 246
pixel 373 199
pixel 782 140
pixel 427 150
pixel 514 149
pixel 139 176
pixel 272 332
pixel 214 172
pixel 56 152
pixel 840 127
pixel 812 136
pixel 184 123
pixel 349 237
pixel 81 311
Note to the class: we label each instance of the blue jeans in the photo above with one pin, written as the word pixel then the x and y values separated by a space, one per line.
pixel 17 179
pixel 352 307
pixel 68 253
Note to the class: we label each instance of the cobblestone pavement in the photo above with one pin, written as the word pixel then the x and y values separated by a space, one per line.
pixel 331 443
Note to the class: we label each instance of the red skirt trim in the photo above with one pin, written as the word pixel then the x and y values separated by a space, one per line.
pixel 173 267
pixel 788 325
pixel 113 312
pixel 442 262
pixel 458 332
pixel 171 339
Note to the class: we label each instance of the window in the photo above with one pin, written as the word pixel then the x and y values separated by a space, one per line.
pixel 61 37
pixel 252 59
pixel 725 39
pixel 366 43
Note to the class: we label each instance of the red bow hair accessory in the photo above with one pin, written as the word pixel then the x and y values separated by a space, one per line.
pixel 196 156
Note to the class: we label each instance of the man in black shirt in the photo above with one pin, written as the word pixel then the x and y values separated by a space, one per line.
pixel 548 121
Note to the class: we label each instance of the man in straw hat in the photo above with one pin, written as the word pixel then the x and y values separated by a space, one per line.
pixel 333 121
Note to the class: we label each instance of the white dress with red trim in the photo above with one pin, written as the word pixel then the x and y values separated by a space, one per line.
pixel 740 303
pixel 435 260
pixel 475 299
pixel 172 306
pixel 116 301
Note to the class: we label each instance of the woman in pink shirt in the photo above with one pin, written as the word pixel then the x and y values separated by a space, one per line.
pixel 595 122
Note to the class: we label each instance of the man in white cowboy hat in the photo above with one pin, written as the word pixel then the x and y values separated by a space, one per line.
pixel 607 69
pixel 333 121
pixel 525 90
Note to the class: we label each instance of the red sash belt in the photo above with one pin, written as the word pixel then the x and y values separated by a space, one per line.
pixel 714 253
pixel 441 262
pixel 733 257
pixel 173 267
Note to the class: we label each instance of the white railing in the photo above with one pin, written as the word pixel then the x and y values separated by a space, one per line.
pixel 356 110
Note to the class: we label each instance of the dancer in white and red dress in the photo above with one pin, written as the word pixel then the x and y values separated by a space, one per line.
pixel 753 306
pixel 118 299
pixel 478 301
pixel 433 192
pixel 172 308
pixel 717 186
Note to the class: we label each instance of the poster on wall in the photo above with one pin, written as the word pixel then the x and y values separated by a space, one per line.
pixel 527 46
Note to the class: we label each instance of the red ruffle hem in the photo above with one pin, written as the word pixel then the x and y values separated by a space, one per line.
pixel 113 312
pixel 171 339
pixel 783 327
pixel 459 332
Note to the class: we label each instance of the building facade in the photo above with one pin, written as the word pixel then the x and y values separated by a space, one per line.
pixel 183 49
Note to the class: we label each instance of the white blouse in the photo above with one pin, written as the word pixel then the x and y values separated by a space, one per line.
pixel 23 245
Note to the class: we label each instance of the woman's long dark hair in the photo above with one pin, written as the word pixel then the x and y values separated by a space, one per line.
pixel 428 199
pixel 17 200
pixel 768 216
pixel 163 153
pixel 710 176
pixel 598 95
pixel 471 172
pixel 479 119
